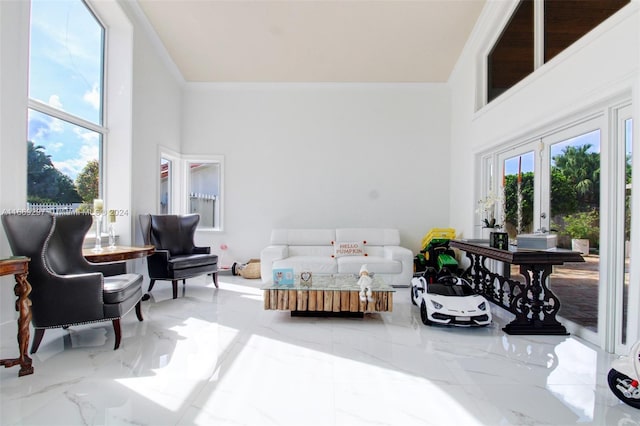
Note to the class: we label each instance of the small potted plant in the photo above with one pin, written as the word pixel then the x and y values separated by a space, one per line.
pixel 582 227
pixel 487 208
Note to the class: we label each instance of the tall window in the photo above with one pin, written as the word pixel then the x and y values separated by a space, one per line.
pixel 65 127
pixel 562 22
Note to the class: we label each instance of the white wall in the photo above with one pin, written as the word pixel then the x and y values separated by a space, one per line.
pixel 322 155
pixel 156 122
pixel 14 43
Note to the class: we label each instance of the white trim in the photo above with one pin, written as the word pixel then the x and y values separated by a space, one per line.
pixel 173 186
pixel 40 106
pixel 538 34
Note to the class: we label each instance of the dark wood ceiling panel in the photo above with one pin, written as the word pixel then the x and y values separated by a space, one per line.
pixel 565 21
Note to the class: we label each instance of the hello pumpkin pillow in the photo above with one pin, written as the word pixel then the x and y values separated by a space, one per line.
pixel 348 248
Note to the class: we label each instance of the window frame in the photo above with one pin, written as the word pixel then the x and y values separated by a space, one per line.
pixel 179 185
pixel 205 159
pixel 75 120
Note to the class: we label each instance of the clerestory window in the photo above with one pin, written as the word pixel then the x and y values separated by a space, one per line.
pixel 536 32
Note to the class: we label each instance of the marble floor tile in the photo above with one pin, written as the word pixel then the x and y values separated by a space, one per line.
pixel 216 357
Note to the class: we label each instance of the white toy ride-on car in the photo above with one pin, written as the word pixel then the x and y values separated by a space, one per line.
pixel 449 300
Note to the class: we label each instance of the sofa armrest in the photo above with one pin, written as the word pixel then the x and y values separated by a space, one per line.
pixel 405 256
pixel 398 253
pixel 267 256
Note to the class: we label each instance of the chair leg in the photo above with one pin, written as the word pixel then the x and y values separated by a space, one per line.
pixel 37 338
pixel 118 331
pixel 215 279
pixel 174 283
pixel 147 296
pixel 139 311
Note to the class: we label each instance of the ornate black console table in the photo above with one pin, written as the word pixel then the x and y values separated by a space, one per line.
pixel 533 303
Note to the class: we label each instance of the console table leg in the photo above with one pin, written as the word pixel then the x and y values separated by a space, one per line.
pixel 22 290
pixel 537 314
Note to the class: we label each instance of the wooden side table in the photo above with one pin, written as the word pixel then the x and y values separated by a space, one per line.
pixel 117 254
pixel 19 267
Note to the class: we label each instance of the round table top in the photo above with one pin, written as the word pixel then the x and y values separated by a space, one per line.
pixel 117 254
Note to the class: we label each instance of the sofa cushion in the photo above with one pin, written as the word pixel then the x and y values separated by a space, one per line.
pixel 317 264
pixel 325 250
pixel 375 264
pixel 192 261
pixel 303 237
pixel 118 288
pixel 373 236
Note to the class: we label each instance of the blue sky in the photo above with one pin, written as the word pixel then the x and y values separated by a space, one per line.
pixel 65 73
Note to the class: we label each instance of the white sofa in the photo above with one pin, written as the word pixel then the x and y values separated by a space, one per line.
pixel 315 250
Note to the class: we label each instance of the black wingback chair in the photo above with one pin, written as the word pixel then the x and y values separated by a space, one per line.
pixel 66 289
pixel 176 256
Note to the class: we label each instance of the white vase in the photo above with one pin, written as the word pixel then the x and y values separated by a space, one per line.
pixel 580 244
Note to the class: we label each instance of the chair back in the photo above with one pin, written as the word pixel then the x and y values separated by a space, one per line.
pixel 28 235
pixel 174 233
pixel 64 251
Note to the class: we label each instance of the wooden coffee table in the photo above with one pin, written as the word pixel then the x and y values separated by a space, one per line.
pixel 328 294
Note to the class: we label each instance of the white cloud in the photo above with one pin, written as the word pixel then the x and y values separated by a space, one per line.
pixel 54 146
pixel 87 137
pixel 92 97
pixel 54 101
pixel 72 166
pixel 88 150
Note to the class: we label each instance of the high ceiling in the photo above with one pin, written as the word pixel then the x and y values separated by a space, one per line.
pixel 313 40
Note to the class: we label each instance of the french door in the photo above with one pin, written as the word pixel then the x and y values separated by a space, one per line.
pixel 575 182
pixel 570 205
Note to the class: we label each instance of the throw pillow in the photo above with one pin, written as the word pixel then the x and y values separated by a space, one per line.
pixel 350 248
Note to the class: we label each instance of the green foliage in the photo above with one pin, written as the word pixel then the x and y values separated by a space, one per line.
pixel 582 171
pixel 583 225
pixel 45 183
pixel 564 198
pixel 88 181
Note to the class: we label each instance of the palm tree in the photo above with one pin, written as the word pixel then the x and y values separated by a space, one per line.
pixel 582 170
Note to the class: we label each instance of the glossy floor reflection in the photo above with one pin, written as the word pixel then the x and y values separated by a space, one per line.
pixel 216 357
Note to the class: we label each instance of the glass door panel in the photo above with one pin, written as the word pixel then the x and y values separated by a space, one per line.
pixel 628 144
pixel 574 206
pixel 165 185
pixel 518 186
pixel 204 192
